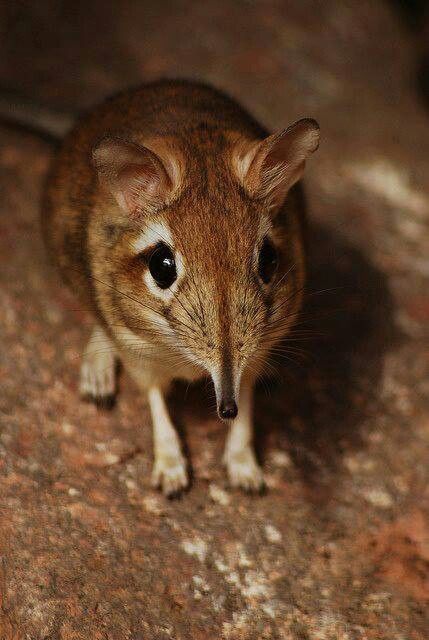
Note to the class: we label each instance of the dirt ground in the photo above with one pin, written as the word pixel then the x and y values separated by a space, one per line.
pixel 338 548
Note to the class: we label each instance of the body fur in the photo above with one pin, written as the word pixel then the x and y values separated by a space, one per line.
pixel 180 165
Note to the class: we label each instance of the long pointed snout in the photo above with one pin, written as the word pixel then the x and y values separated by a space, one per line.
pixel 226 399
pixel 224 373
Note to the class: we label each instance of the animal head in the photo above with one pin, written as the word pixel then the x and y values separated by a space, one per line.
pixel 211 263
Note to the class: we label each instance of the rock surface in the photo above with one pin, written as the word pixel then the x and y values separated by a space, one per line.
pixel 339 547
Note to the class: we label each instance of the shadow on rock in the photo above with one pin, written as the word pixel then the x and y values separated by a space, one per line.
pixel 316 405
pixel 414 15
pixel 316 409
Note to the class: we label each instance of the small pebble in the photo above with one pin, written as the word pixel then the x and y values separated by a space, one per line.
pixel 217 494
pixel 272 534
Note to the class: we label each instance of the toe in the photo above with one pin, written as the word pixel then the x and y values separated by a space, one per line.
pixel 245 473
pixel 170 476
pixel 98 385
pixel 104 403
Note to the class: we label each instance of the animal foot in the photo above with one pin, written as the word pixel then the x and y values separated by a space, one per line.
pixel 98 378
pixel 169 474
pixel 244 472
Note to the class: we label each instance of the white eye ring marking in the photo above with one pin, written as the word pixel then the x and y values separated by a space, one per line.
pixel 154 233
pixel 265 227
pixel 151 234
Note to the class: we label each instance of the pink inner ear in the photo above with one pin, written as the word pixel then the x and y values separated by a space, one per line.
pixel 133 174
pixel 140 184
pixel 279 160
pixel 278 154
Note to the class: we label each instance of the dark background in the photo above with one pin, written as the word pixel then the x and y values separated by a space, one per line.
pixel 339 547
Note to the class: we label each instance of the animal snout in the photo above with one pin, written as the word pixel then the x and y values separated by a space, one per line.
pixel 227 409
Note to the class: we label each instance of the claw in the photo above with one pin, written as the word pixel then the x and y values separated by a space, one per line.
pixel 98 372
pixel 244 472
pixel 169 474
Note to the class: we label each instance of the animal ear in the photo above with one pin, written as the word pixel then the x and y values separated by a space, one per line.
pixel 270 167
pixel 134 175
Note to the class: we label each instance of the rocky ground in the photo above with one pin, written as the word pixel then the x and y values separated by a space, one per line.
pixel 339 546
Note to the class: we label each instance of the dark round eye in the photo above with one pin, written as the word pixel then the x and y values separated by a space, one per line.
pixel 268 261
pixel 162 266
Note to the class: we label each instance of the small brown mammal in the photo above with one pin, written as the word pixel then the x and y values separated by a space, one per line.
pixel 170 214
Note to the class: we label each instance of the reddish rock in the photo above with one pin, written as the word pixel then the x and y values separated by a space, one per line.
pixel 401 554
pixel 338 546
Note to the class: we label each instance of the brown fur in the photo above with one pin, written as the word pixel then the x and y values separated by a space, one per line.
pixel 206 174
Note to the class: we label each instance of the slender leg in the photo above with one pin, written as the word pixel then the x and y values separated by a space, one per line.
pixel 98 370
pixel 169 471
pixel 239 457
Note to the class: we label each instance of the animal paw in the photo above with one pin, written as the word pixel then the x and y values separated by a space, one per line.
pixel 170 475
pixel 244 472
pixel 98 379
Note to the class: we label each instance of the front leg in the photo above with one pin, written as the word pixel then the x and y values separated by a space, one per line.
pixel 239 457
pixel 98 370
pixel 169 471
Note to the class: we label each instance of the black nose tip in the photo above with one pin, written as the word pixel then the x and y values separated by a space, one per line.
pixel 228 410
